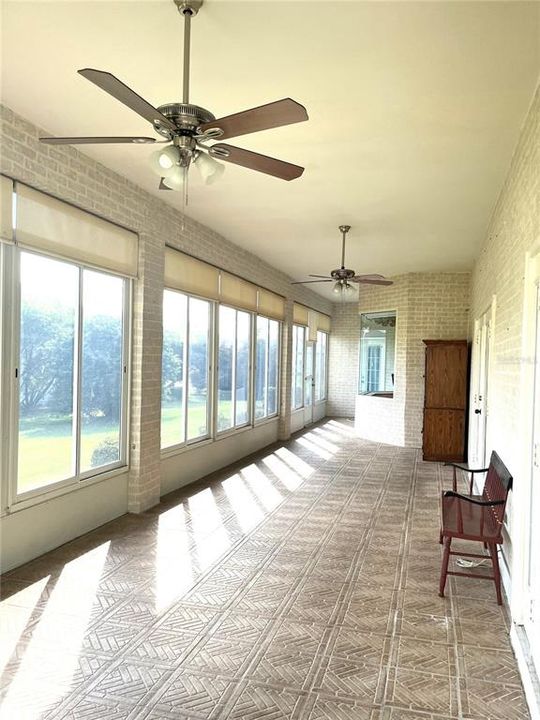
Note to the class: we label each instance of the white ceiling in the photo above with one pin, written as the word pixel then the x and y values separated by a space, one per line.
pixel 415 109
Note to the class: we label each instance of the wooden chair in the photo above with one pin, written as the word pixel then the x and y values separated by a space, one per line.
pixel 476 517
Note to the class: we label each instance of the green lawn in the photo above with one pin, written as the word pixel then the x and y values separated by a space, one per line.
pixel 46 443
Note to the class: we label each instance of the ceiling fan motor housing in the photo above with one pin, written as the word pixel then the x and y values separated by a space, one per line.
pixel 186 117
pixel 342 274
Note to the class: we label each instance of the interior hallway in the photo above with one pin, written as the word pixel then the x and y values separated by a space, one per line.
pixel 301 583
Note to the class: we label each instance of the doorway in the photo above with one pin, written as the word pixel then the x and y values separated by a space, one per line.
pixel 309 383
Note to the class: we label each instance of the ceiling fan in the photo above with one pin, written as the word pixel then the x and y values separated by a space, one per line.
pixel 343 277
pixel 187 128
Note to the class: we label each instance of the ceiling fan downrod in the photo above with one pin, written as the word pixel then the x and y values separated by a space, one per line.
pixel 344 230
pixel 187 8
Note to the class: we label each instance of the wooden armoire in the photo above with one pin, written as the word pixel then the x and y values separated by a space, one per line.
pixel 445 400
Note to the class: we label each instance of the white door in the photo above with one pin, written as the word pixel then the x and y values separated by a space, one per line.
pixel 532 614
pixel 479 407
pixel 309 383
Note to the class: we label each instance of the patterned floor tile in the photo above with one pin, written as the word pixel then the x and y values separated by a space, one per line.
pixel 281 664
pixel 90 708
pixel 364 647
pixel 421 691
pixel 109 637
pixel 128 682
pixel 344 677
pixel 494 701
pixel 260 703
pixel 245 628
pixel 191 693
pixel 492 665
pixel 224 657
pixel 435 658
pixel 163 645
pixel 326 610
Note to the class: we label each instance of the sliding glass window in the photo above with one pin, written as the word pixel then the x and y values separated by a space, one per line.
pixel 234 368
pixel 321 364
pixel 185 403
pixel 71 371
pixel 298 355
pixel 266 368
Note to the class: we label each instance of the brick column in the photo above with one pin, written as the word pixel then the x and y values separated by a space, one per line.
pixel 145 473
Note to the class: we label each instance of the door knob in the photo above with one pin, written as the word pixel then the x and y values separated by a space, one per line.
pixel 477 412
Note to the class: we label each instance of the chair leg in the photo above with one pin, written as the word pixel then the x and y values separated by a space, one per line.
pixel 444 566
pixel 496 571
pixel 440 537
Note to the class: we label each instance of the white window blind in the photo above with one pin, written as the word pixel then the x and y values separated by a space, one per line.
pixel 6 212
pixel 44 223
pixel 300 314
pixel 270 304
pixel 324 323
pixel 313 321
pixel 183 272
pixel 237 292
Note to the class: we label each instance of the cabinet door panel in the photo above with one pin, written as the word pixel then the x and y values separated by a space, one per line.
pixel 446 376
pixel 444 432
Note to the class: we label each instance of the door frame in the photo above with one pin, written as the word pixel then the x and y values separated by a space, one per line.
pixel 519 602
pixel 482 357
pixel 308 408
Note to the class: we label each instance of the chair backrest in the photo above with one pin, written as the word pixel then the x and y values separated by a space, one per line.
pixel 498 484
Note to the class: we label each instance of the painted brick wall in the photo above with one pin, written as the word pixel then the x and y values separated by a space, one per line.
pixel 499 278
pixel 428 305
pixel 69 175
pixel 343 360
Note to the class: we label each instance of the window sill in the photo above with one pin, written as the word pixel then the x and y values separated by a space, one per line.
pixel 179 449
pixel 378 394
pixel 44 497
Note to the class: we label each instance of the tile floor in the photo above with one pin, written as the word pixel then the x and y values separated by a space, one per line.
pixel 301 584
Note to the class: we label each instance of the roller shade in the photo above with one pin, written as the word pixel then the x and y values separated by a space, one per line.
pixel 324 323
pixel 6 209
pixel 238 292
pixel 44 223
pixel 183 272
pixel 270 304
pixel 300 314
pixel 313 316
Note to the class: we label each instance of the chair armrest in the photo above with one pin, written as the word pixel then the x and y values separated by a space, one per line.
pixel 486 503
pixel 465 468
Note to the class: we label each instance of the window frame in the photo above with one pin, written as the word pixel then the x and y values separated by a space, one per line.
pixel 12 279
pixel 218 434
pixel 188 443
pixel 295 326
pixel 266 417
pixel 324 397
pixel 386 394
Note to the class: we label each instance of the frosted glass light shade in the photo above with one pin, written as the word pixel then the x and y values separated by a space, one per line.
pixel 175 179
pixel 210 169
pixel 165 161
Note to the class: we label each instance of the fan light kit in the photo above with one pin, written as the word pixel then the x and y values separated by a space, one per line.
pixel 189 128
pixel 343 277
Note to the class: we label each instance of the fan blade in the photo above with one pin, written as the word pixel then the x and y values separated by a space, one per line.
pixel 326 277
pixel 115 87
pixel 94 140
pixel 275 114
pixel 162 185
pixel 306 282
pixel 255 161
pixel 373 276
pixel 370 281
